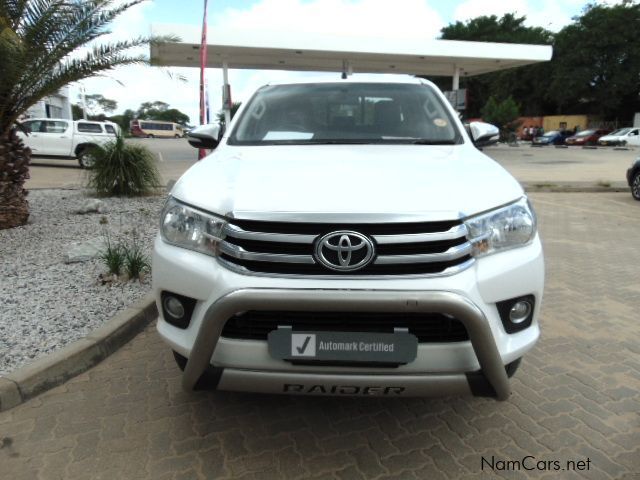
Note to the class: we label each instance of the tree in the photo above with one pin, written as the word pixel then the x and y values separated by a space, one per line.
pixel 39 43
pixel 97 103
pixel 596 66
pixel 124 119
pixel 220 115
pixel 150 108
pixel 502 114
pixel 76 112
pixel 160 111
pixel 526 84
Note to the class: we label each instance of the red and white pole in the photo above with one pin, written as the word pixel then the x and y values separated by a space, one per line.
pixel 203 65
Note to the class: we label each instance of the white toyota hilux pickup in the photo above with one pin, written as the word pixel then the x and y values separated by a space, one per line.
pixel 347 237
pixel 62 138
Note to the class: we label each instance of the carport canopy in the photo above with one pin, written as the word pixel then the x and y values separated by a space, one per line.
pixel 279 50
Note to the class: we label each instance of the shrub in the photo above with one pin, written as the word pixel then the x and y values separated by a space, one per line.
pixel 121 168
pixel 136 262
pixel 113 256
pixel 503 114
pixel 125 258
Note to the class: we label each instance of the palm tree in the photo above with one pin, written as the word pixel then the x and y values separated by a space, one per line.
pixel 220 115
pixel 39 43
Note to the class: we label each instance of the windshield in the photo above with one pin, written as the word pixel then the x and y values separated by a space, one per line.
pixel 345 113
pixel 585 133
pixel 622 131
pixel 552 133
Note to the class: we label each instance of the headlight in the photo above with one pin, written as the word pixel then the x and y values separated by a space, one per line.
pixel 506 227
pixel 188 227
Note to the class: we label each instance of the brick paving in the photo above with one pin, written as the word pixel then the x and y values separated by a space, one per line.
pixel 576 396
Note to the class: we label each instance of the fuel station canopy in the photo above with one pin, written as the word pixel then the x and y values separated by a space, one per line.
pixel 280 50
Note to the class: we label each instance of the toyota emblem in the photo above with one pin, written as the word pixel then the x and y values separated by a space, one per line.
pixel 344 251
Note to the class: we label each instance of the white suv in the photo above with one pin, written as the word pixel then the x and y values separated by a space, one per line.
pixel 348 238
pixel 61 138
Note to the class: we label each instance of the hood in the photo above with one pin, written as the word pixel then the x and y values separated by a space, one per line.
pixel 443 182
pixel 612 138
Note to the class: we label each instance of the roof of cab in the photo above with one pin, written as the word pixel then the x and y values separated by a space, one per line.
pixel 355 78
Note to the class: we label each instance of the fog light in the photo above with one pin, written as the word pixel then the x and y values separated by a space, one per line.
pixel 516 313
pixel 520 311
pixel 173 307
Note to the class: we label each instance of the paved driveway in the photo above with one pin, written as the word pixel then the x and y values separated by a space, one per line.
pixel 575 398
pixel 545 166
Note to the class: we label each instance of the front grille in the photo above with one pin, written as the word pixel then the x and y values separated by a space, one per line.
pixel 287 248
pixel 428 327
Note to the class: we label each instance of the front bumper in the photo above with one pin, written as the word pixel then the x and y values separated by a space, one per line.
pixel 351 300
pixel 476 366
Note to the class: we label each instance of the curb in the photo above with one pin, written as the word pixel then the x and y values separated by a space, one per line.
pixel 576 187
pixel 78 357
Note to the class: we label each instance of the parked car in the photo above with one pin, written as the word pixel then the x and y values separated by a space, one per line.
pixel 61 138
pixel 348 238
pixel 586 137
pixel 552 137
pixel 633 178
pixel 622 137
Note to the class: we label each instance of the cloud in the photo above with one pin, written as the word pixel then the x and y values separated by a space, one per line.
pixel 416 20
pixel 413 19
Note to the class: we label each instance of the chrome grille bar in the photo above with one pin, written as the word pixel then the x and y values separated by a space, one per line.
pixel 452 254
pixel 237 232
pixel 242 254
pixel 453 233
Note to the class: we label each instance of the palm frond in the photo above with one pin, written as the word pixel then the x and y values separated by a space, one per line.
pixel 39 44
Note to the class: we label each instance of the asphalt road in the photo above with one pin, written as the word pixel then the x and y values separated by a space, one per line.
pixel 545 166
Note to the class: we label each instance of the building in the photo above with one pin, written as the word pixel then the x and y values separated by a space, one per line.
pixel 55 106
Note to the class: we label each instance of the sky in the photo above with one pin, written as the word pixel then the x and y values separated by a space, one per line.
pixel 415 19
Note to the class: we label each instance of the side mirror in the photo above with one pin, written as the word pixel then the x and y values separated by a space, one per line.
pixel 483 134
pixel 205 136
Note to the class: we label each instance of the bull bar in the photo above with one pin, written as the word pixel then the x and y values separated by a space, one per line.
pixel 324 300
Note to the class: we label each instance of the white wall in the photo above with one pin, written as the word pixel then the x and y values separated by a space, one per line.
pixel 55 106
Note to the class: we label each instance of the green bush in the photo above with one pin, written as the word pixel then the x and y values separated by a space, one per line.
pixel 136 262
pixel 121 168
pixel 113 256
pixel 503 114
pixel 125 257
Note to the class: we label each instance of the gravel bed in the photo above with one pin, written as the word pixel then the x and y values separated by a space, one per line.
pixel 46 304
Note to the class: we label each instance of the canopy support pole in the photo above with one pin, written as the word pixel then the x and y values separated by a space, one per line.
pixel 226 96
pixel 456 78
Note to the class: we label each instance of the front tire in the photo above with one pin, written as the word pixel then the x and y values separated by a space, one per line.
pixel 635 186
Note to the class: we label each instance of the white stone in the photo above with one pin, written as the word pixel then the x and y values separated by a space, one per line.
pixel 92 205
pixel 85 251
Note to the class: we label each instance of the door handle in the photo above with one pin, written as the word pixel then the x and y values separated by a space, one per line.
pixel 64 136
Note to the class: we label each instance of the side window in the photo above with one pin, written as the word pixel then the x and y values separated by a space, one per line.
pixel 55 126
pixel 33 126
pixel 633 132
pixel 89 127
pixel 110 129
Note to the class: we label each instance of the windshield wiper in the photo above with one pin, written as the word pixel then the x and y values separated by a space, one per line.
pixel 341 142
pixel 426 141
